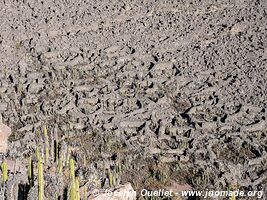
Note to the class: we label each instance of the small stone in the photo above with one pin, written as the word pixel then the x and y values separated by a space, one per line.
pixel 5 132
pixel 3 106
pixel 22 67
pixel 163 68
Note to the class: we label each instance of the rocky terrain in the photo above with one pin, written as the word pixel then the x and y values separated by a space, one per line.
pixel 173 92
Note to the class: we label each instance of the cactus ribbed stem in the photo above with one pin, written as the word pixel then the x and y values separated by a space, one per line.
pixel 4 172
pixel 46 144
pixel 72 169
pixel 77 185
pixel 40 180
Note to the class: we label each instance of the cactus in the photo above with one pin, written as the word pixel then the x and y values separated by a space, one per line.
pixel 60 166
pixel 232 197
pixel 46 154
pixel 67 157
pixel 84 193
pixel 46 144
pixel 77 189
pixel 115 179
pixel 74 193
pixel 110 178
pixel 40 180
pixel 38 156
pixel 4 172
pixel 72 169
pixel 30 172
pixel 233 187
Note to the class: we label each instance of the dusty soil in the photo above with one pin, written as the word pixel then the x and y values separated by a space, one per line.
pixel 173 91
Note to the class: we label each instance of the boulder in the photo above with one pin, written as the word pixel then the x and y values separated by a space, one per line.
pixel 163 68
pixel 5 132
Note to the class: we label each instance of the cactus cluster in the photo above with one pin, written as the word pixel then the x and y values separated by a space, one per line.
pixel 40 162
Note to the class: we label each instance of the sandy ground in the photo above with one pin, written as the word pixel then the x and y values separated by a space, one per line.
pixel 173 90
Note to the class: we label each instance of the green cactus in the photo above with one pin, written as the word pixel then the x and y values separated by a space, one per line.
pixel 84 193
pixel 40 180
pixel 46 144
pixel 38 156
pixel 4 172
pixel 74 192
pixel 110 178
pixel 60 166
pixel 232 197
pixel 72 169
pixel 77 189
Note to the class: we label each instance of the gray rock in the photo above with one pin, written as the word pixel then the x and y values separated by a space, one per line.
pixel 5 132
